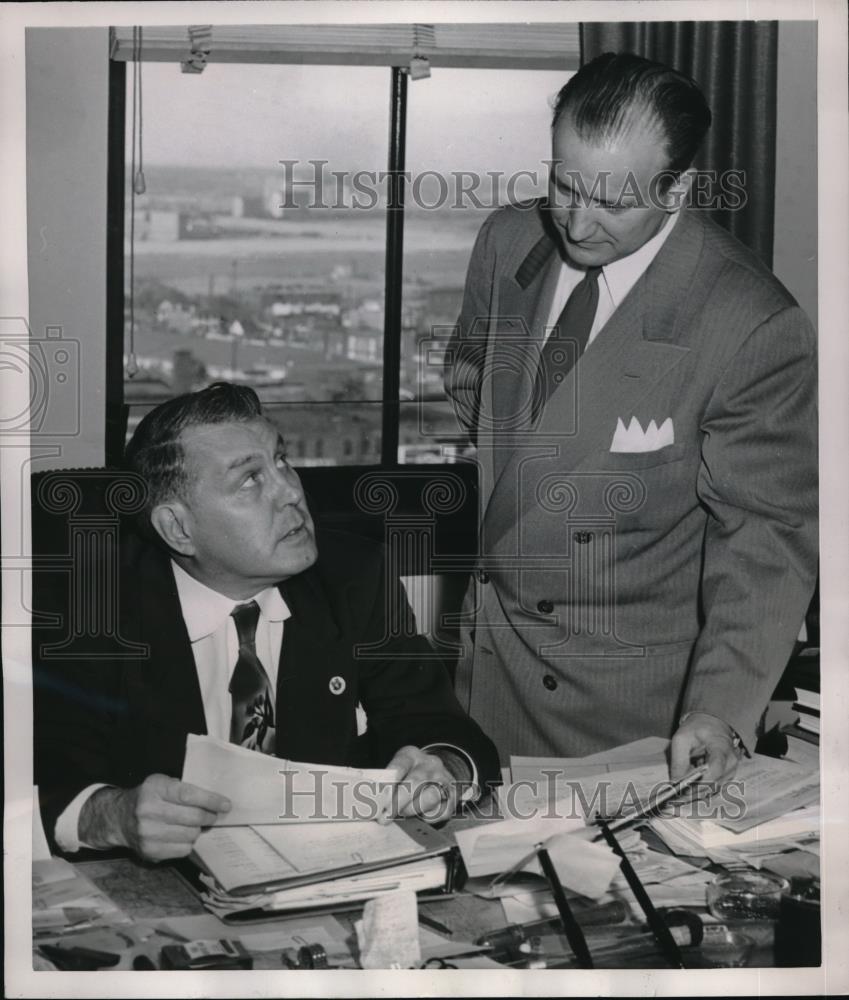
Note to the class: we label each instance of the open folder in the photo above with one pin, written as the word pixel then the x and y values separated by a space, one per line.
pixel 300 836
pixel 259 871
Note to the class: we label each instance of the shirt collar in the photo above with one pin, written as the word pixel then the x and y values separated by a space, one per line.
pixel 621 275
pixel 205 610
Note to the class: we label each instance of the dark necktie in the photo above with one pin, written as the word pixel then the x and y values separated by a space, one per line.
pixel 252 721
pixel 568 339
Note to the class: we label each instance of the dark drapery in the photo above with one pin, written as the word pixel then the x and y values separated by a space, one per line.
pixel 734 62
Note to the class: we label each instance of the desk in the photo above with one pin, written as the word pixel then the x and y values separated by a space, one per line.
pixel 157 896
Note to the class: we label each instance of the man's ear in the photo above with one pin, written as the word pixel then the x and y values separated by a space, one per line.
pixel 172 523
pixel 678 192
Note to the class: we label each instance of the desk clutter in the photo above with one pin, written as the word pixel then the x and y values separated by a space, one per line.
pixel 581 863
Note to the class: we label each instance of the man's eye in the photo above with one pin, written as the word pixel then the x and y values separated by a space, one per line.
pixel 282 459
pixel 251 479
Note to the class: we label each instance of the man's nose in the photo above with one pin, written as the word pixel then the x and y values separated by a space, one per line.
pixel 289 490
pixel 581 222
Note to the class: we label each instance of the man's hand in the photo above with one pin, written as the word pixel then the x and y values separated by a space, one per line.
pixel 425 787
pixel 704 738
pixel 160 818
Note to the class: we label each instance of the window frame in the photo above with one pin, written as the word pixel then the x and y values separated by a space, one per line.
pixel 484 46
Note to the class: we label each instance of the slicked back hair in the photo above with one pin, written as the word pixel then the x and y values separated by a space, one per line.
pixel 155 451
pixel 604 95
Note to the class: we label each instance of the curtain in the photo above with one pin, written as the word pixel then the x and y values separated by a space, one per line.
pixel 734 62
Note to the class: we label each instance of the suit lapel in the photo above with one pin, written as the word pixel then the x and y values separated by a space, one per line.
pixel 631 354
pixel 168 680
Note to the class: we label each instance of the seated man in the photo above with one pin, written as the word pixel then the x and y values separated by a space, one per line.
pixel 255 634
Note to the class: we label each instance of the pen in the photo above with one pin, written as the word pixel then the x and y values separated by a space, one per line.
pixel 574 934
pixel 664 797
pixel 656 923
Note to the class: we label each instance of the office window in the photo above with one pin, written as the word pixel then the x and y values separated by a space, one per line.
pixel 476 139
pixel 267 246
pixel 255 270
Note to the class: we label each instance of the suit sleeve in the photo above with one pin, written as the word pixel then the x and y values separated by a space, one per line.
pixel 407 692
pixel 77 712
pixel 758 482
pixel 464 359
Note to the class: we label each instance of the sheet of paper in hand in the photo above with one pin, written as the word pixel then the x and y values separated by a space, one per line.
pixel 268 790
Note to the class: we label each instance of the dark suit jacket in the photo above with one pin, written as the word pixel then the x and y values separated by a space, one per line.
pixel 624 588
pixel 118 720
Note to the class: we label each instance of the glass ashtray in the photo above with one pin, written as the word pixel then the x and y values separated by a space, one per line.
pixel 720 949
pixel 746 896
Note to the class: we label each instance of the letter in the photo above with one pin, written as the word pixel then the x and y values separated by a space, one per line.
pixel 513 178
pixel 370 191
pixel 417 189
pixel 461 190
pixel 733 184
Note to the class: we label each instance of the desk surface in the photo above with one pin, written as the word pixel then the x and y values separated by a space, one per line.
pixel 156 896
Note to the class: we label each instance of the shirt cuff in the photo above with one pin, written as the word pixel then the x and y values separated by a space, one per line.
pixel 462 762
pixel 67 829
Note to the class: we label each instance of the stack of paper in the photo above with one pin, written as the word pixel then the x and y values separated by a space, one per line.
pixel 274 868
pixel 64 901
pixel 706 838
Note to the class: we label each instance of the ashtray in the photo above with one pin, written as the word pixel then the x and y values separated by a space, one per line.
pixel 720 949
pixel 746 896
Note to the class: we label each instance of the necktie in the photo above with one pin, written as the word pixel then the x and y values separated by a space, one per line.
pixel 568 339
pixel 252 721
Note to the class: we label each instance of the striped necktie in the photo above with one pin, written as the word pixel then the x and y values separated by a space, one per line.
pixel 568 339
pixel 252 721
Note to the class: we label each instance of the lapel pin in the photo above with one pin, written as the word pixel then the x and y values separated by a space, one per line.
pixel 337 685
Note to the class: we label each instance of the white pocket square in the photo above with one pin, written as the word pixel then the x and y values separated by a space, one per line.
pixel 634 439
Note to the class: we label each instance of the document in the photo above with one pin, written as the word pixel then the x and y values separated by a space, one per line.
pixel 265 790
pixel 496 847
pixel 388 934
pixel 338 845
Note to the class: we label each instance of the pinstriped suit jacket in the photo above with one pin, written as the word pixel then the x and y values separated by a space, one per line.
pixel 620 590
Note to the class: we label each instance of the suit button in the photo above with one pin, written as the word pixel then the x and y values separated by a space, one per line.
pixel 483 576
pixel 549 682
pixel 545 607
pixel 584 537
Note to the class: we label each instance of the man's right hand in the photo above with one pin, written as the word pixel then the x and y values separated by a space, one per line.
pixel 159 819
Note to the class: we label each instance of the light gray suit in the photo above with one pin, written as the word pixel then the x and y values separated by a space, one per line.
pixel 619 590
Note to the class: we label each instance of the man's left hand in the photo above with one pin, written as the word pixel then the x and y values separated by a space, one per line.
pixel 425 787
pixel 704 738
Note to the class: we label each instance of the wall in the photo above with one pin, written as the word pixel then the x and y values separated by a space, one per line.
pixel 67 103
pixel 795 253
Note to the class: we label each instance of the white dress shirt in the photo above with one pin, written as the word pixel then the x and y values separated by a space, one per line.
pixel 215 644
pixel 215 647
pixel 615 280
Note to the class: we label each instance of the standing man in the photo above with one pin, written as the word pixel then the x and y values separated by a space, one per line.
pixel 258 631
pixel 642 393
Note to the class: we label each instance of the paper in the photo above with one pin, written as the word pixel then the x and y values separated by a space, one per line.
pixel 648 751
pixel 265 789
pixel 40 848
pixel 64 900
pixel 337 845
pixel 589 790
pixel 238 856
pixel 770 788
pixel 492 848
pixel 388 934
